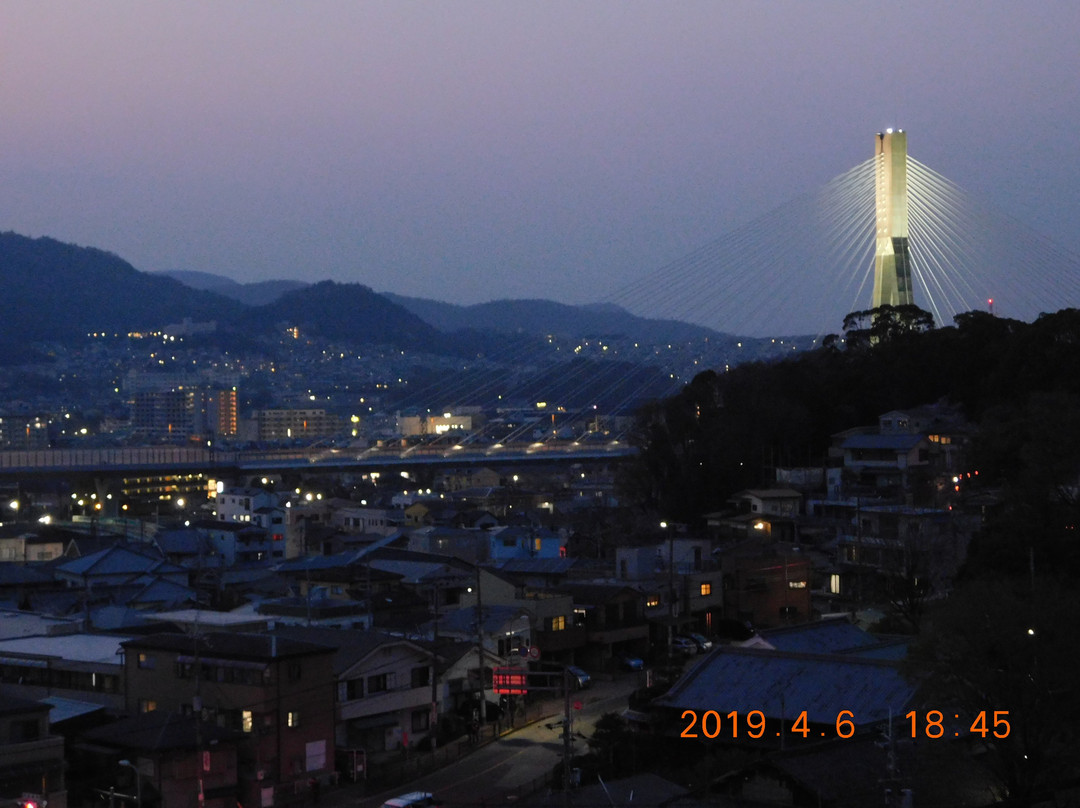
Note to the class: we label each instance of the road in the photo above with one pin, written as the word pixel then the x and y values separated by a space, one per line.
pixel 496 773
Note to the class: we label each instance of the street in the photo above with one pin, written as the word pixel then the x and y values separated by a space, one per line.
pixel 516 762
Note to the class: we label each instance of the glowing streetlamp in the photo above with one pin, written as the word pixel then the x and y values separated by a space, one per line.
pixel 138 782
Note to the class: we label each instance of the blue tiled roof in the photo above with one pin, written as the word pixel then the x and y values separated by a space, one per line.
pixel 820 637
pixel 890 649
pixel 116 560
pixel 783 685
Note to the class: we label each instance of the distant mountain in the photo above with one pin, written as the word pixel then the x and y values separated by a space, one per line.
pixel 541 317
pixel 58 292
pixel 348 312
pixel 252 294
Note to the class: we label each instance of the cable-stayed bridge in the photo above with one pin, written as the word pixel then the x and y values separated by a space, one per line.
pixel 802 267
pixel 790 275
pixel 889 230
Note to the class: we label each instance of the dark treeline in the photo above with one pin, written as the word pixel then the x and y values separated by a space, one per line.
pixel 1002 640
pixel 1017 383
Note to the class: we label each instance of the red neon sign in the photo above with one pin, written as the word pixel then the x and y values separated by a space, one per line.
pixel 510 681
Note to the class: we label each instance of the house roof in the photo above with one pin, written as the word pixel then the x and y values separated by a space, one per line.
pixel 819 637
pixel 186 541
pixel 537 566
pixel 92 648
pixel 495 619
pixel 11 705
pixel 119 560
pixel 784 684
pixel 596 594
pixel 22 574
pixel 15 623
pixel 230 645
pixel 160 731
pixel 904 442
pixel 350 646
pixel 61 709
pixel 769 493
pixel 151 589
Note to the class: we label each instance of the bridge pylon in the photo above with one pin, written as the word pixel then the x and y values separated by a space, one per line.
pixel 892 261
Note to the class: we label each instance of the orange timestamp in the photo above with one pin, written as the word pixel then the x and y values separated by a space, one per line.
pixel 711 724
pixel 987 722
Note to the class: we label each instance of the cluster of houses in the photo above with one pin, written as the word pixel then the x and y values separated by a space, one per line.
pixel 291 639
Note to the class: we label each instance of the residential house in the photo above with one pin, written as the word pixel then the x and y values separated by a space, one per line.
pixel 679 580
pixel 504 630
pixel 468 545
pixel 388 691
pixel 171 760
pixel 277 690
pixel 241 542
pixel 614 620
pixel 19 542
pixel 524 542
pixel 815 692
pixel 31 758
pixel 86 667
pixel 118 565
pixel 766 585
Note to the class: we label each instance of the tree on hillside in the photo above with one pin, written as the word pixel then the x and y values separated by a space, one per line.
pixel 884 324
pixel 1005 648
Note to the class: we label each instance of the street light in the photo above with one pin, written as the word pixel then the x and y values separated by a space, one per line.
pixel 138 782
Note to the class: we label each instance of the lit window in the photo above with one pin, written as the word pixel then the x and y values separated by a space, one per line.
pixel 834 584
pixel 796 584
pixel 246 720
pixel 653 600
pixel 147 705
pixel 293 719
pixel 706 588
pixel 558 623
pixel 146 661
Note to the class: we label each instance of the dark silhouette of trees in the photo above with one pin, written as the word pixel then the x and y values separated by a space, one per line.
pixel 885 324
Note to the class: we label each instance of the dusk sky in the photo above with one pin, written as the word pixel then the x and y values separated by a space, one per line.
pixel 469 151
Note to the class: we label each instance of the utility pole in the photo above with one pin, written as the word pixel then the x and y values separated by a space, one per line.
pixel 434 732
pixel 480 647
pixel 196 703
pixel 671 586
pixel 568 752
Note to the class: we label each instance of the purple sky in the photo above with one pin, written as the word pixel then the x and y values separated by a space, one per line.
pixel 468 151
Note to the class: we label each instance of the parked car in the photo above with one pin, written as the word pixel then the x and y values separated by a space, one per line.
pixel 580 677
pixel 629 662
pixel 702 642
pixel 684 646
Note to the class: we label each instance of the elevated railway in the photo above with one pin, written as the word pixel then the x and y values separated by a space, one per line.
pixel 146 460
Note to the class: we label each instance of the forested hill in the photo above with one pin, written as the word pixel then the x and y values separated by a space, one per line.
pixel 1018 383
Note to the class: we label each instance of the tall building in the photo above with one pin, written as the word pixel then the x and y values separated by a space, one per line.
pixel 892 262
pixel 184 412
pixel 300 424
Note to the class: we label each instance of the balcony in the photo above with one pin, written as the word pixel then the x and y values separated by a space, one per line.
pixel 387 701
pixel 37 753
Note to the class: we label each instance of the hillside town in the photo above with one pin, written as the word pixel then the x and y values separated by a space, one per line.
pixel 247 641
